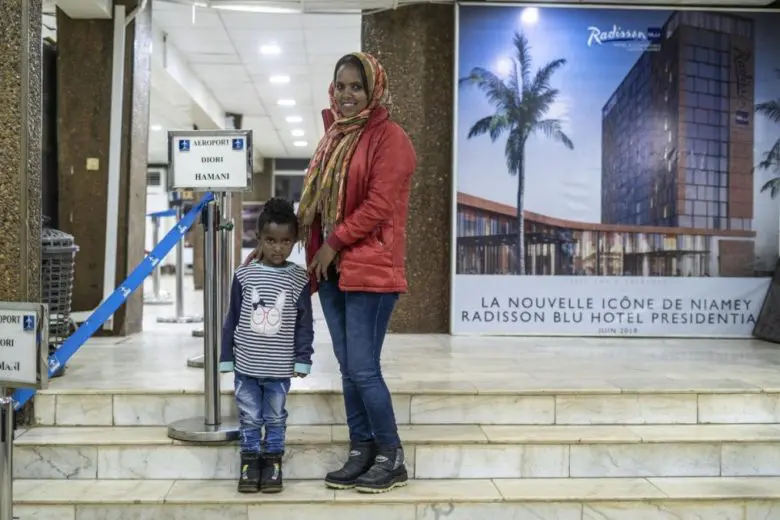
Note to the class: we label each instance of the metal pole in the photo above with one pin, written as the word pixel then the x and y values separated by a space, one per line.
pixel 226 237
pixel 179 269
pixel 156 273
pixel 180 317
pixel 211 427
pixel 6 456
pixel 227 251
pixel 212 309
pixel 156 298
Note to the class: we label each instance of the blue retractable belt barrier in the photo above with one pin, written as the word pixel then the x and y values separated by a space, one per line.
pixel 110 305
pixel 163 213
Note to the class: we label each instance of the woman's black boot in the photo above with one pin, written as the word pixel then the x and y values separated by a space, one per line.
pixel 361 458
pixel 388 472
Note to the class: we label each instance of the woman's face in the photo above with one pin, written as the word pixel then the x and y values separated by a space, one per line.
pixel 349 91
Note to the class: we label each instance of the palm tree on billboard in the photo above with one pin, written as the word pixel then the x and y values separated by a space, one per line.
pixel 771 160
pixel 521 103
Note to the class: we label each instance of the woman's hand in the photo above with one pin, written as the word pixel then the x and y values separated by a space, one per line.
pixel 321 261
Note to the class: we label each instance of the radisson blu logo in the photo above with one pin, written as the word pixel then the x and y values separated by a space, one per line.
pixel 620 36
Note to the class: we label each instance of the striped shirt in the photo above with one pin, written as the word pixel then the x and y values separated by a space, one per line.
pixel 268 331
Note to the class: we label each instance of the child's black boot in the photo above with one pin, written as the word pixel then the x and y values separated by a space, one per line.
pixel 361 458
pixel 271 479
pixel 249 480
pixel 388 472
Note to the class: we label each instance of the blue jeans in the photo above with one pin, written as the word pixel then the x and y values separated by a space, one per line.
pixel 261 404
pixel 358 322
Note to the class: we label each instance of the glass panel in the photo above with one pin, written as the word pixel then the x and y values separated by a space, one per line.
pixel 289 187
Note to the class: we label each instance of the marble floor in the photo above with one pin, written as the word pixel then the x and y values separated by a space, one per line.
pixel 155 361
pixel 500 428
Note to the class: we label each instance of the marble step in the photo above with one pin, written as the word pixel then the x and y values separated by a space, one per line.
pixel 428 406
pixel 746 498
pixel 433 452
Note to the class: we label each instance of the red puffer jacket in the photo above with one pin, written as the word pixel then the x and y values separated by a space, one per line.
pixel 371 238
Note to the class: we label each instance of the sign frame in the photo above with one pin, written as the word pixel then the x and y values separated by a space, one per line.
pixel 247 135
pixel 41 311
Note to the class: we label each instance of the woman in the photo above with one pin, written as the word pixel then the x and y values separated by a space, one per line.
pixel 353 210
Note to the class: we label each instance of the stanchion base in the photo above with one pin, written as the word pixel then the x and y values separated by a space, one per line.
pixel 197 333
pixel 157 301
pixel 196 362
pixel 196 430
pixel 180 319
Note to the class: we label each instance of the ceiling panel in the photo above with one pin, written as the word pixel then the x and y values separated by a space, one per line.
pixel 240 99
pixel 298 73
pixel 260 22
pixel 298 91
pixel 283 38
pixel 227 58
pixel 193 33
pixel 232 66
pixel 216 73
pixel 279 114
pixel 199 46
pixel 257 65
pixel 169 16
pixel 331 22
pixel 265 137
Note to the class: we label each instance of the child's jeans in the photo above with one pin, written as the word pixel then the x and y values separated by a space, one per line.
pixel 261 402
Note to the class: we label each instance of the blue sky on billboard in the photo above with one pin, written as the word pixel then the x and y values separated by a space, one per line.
pixel 590 76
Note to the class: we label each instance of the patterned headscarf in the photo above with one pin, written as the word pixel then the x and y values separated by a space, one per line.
pixel 323 186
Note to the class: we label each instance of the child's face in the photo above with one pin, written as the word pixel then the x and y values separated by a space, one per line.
pixel 276 243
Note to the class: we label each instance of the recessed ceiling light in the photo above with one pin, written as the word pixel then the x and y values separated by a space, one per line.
pixel 270 50
pixel 301 144
pixel 280 80
pixel 293 119
pixel 156 128
pixel 286 102
pixel 297 133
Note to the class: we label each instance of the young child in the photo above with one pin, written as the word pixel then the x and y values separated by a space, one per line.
pixel 267 340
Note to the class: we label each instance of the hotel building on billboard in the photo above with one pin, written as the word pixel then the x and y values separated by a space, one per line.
pixel 677 171
pixel 677 135
pixel 487 234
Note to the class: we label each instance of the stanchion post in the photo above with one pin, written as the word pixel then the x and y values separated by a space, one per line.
pixel 212 309
pixel 219 162
pixel 6 456
pixel 227 236
pixel 179 317
pixel 211 427
pixel 156 298
pixel 24 332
